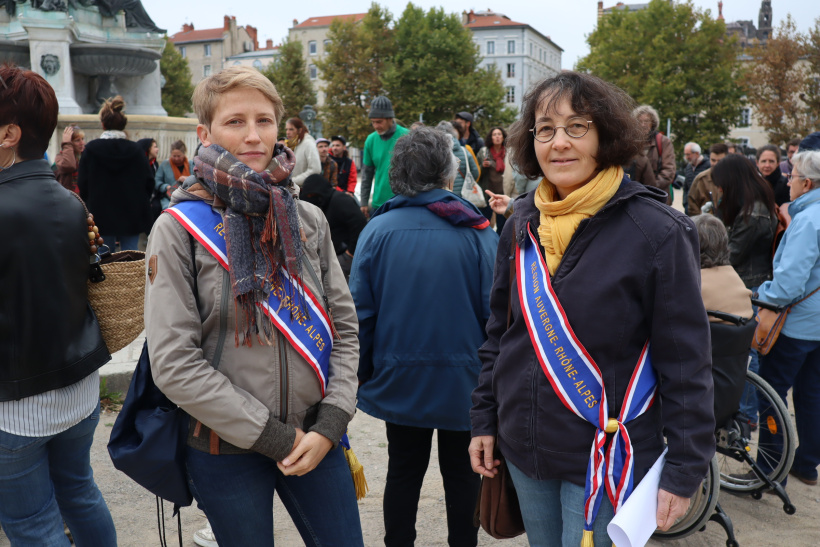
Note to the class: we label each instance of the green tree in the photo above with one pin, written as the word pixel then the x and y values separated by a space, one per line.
pixel 774 83
pixel 177 91
pixel 811 97
pixel 289 74
pixel 677 59
pixel 435 71
pixel 356 59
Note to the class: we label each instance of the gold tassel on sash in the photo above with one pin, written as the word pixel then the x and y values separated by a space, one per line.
pixel 357 471
pixel 586 540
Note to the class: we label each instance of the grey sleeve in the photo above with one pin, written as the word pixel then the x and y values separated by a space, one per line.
pixel 368 171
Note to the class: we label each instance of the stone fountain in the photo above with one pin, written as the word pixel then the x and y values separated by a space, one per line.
pixel 88 50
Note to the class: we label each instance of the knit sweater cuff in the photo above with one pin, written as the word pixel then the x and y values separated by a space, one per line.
pixel 331 423
pixel 276 440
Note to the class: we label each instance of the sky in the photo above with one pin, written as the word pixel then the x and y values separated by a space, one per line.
pixel 566 22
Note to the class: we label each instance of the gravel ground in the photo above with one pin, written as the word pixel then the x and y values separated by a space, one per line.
pixel 757 523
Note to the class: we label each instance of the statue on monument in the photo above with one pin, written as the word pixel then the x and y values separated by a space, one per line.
pixel 314 126
pixel 136 18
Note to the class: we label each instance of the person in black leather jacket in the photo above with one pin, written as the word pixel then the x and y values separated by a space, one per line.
pixel 746 204
pixel 50 342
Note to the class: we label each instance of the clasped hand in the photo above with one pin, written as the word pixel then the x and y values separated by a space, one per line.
pixel 308 450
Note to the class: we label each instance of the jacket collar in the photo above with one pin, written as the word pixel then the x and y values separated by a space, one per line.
pixel 26 169
pixel 527 212
pixel 800 204
pixel 422 199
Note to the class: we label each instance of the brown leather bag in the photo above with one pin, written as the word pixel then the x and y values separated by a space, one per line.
pixel 769 325
pixel 497 509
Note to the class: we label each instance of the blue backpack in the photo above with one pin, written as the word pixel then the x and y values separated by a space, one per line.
pixel 149 437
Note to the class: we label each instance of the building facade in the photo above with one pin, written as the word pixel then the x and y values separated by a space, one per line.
pixel 312 33
pixel 207 50
pixel 259 59
pixel 522 54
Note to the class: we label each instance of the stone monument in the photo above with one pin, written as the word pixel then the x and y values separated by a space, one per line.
pixel 88 50
pixel 314 125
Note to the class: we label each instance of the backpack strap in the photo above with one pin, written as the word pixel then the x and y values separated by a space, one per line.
pixel 659 143
pixel 512 276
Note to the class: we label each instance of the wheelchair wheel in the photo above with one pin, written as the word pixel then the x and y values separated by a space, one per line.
pixel 736 473
pixel 701 507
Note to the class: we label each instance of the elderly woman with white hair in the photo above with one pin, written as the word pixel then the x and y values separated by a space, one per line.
pixel 794 360
pixel 657 149
pixel 421 281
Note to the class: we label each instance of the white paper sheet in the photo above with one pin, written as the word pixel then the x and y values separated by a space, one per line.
pixel 636 521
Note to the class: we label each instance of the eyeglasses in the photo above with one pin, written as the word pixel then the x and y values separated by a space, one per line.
pixel 575 128
pixel 794 175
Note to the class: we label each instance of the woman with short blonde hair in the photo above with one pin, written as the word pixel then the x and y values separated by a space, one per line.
pixel 255 336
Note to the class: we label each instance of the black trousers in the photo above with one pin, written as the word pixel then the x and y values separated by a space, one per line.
pixel 408 450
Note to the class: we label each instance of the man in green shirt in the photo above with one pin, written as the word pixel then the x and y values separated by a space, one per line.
pixel 378 150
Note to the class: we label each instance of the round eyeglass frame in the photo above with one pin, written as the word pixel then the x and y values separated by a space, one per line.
pixel 564 127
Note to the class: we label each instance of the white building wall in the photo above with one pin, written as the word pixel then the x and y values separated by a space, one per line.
pixel 528 68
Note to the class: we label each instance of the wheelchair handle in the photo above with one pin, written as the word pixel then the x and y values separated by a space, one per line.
pixel 768 305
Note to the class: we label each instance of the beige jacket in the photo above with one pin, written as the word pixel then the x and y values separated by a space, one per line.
pixel 252 397
pixel 723 290
pixel 307 160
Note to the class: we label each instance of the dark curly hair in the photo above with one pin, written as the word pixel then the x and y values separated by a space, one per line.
pixel 620 137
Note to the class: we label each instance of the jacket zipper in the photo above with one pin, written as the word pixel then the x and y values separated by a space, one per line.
pixel 283 377
pixel 223 319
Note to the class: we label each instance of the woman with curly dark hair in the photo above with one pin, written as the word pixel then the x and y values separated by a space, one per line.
pixel 597 333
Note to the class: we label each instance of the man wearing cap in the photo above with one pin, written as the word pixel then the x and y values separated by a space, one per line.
pixel 812 142
pixel 347 168
pixel 473 140
pixel 378 151
pixel 329 169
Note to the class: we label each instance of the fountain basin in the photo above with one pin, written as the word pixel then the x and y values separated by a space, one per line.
pixel 113 60
pixel 15 52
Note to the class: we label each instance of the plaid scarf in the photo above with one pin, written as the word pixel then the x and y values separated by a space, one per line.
pixel 262 228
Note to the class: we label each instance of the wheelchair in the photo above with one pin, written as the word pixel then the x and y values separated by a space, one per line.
pixel 742 463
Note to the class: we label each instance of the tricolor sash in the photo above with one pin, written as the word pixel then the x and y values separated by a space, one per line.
pixel 579 385
pixel 309 333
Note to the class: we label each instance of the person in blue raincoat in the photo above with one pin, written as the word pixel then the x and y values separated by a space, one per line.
pixel 421 281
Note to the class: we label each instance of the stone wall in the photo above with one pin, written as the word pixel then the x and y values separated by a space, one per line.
pixel 164 129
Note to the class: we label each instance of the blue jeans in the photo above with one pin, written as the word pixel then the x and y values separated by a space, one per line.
pixel 45 480
pixel 127 242
pixel 748 401
pixel 794 363
pixel 553 512
pixel 236 493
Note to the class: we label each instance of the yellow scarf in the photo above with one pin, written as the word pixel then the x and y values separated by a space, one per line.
pixel 560 219
pixel 292 143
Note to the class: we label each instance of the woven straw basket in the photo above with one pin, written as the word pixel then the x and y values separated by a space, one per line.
pixel 119 301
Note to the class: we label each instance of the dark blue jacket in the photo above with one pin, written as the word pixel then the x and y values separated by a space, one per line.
pixel 630 273
pixel 421 287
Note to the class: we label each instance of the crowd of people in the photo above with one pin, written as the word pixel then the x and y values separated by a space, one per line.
pixel 568 312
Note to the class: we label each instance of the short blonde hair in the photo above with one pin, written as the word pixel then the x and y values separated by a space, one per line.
pixel 208 91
